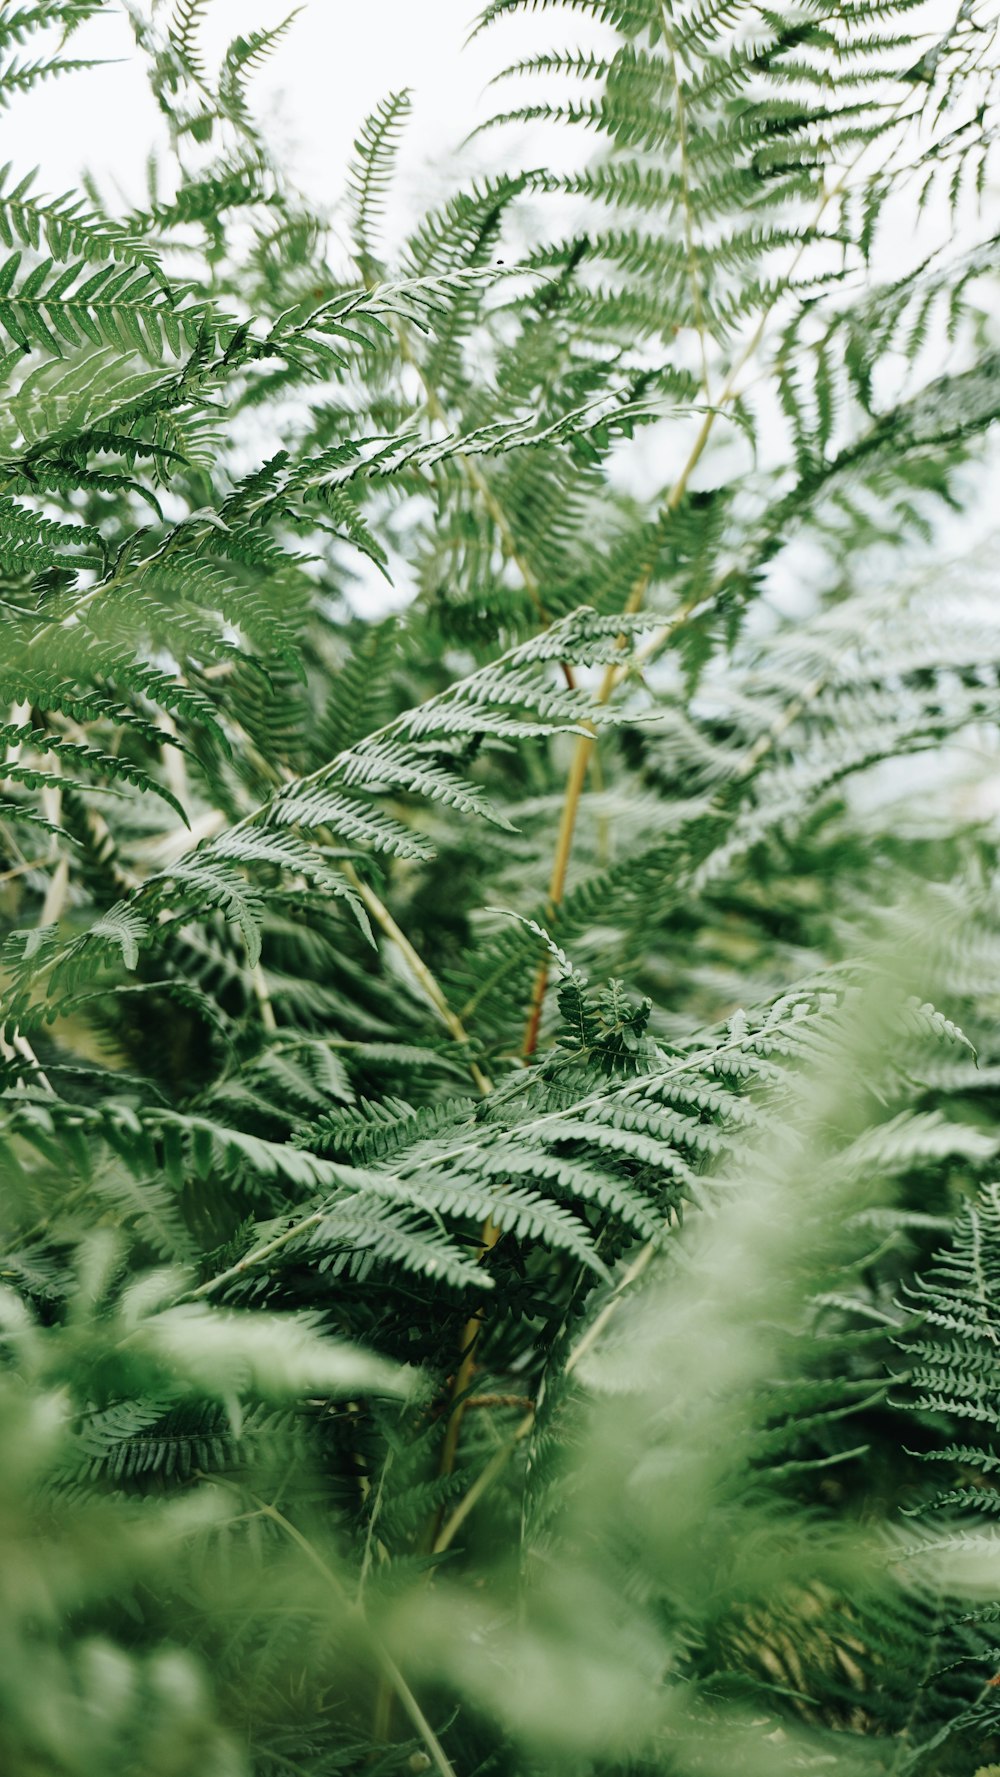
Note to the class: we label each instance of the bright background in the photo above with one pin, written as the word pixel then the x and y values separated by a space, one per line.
pixel 335 64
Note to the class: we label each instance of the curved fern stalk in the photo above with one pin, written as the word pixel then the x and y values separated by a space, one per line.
pixel 694 273
pixel 370 179
pixel 447 1531
pixel 585 747
pixel 355 1611
pixel 450 1019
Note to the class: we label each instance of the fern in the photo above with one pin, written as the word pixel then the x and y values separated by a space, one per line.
pixel 498 1101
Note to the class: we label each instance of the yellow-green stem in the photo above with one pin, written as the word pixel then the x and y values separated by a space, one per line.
pixel 585 745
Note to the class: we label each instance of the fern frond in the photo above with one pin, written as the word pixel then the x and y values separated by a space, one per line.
pixel 370 173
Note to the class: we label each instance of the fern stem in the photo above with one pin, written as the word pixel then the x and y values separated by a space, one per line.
pixel 254 1257
pixel 499 1460
pixel 20 716
pixel 482 1484
pixel 19 1045
pixel 585 745
pixel 490 1234
pixel 373 1516
pixel 459 1393
pixel 589 1338
pixel 263 997
pixel 557 881
pixel 22 869
pixel 383 918
pixel 694 274
pixel 390 1671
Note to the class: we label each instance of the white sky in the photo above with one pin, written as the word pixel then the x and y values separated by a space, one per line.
pixel 338 60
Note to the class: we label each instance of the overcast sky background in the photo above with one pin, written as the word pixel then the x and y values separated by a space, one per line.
pixel 336 63
pixel 328 73
pixel 321 81
pixel 330 70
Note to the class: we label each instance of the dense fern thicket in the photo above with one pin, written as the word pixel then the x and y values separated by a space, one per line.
pixel 499 1240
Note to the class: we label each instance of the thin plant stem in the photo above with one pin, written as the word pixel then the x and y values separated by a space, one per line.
pixel 585 744
pixel 387 1665
pixel 424 975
